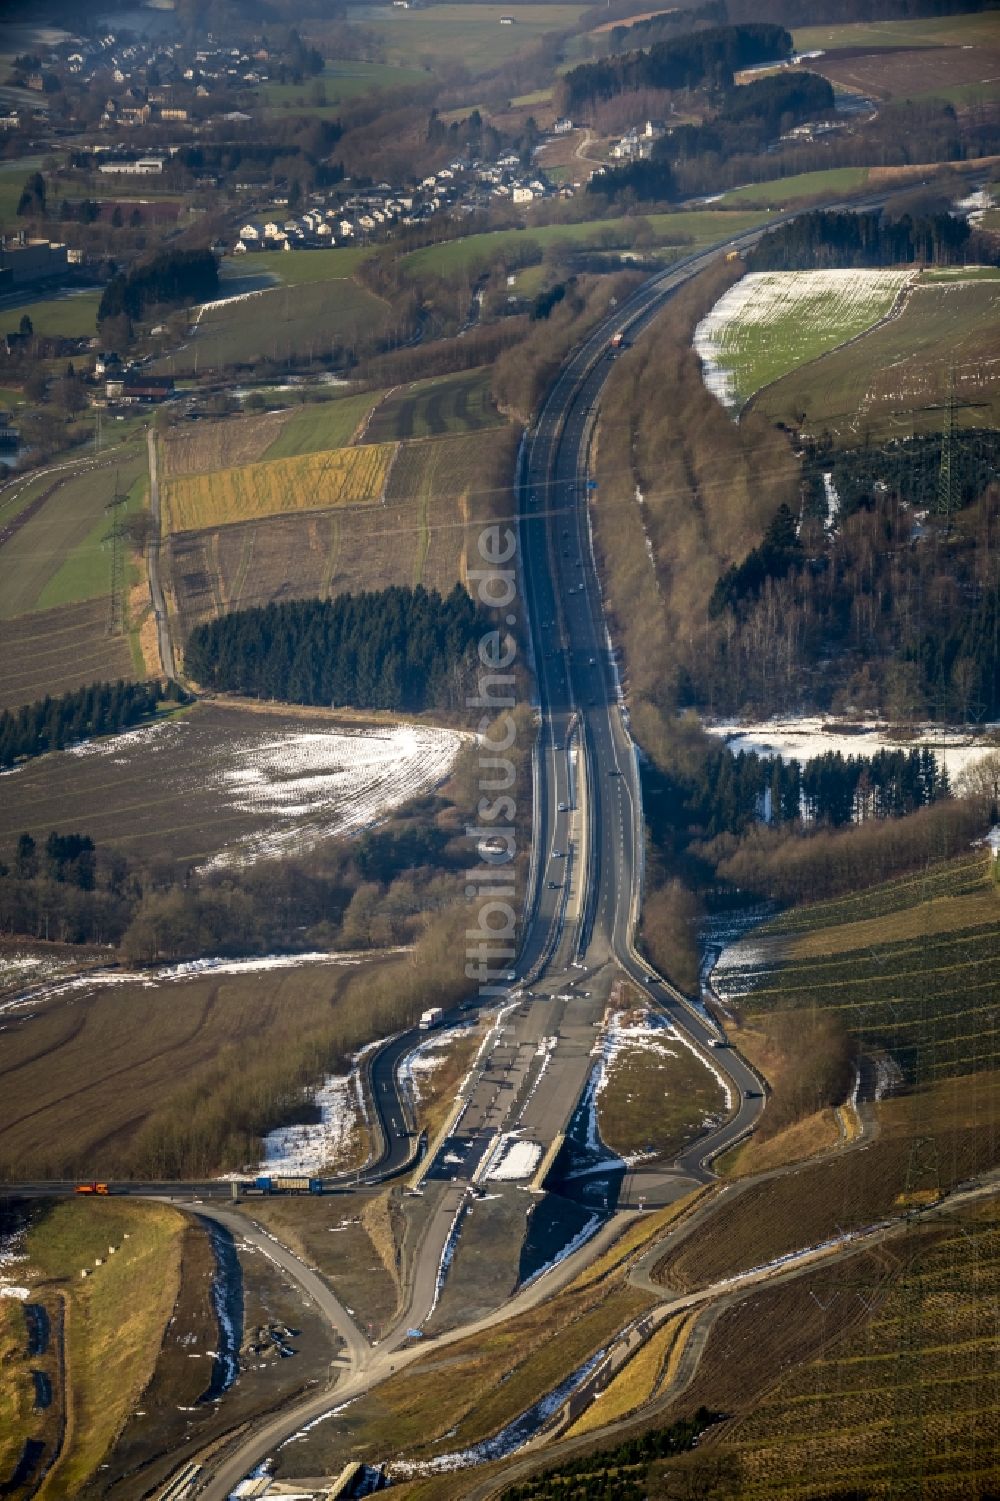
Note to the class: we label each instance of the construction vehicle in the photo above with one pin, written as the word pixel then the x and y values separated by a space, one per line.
pixel 617 340
pixel 92 1188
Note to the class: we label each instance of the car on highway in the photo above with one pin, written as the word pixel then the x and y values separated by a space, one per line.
pixel 558 854
pixel 555 885
pixel 564 807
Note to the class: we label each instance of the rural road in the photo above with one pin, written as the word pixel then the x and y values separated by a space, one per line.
pixel 153 564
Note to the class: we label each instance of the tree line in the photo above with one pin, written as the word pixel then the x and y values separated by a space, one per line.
pixel 393 648
pixel 699 59
pixel 727 794
pixel 98 709
pixel 170 276
pixel 628 37
pixel 827 238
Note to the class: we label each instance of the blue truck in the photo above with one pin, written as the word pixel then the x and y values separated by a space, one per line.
pixel 288 1185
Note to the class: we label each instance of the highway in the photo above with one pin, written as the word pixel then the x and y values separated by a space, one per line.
pixel 582 908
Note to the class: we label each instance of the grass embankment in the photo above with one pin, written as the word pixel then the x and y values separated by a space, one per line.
pixel 18 1420
pixel 114 1319
pixel 931 31
pixel 474 252
pixel 638 1383
pixel 73 315
pixel 308 482
pixel 323 425
pixel 472 37
pixel 437 1406
pixel 802 185
pixel 339 84
pixel 304 320
pixel 295 269
pixel 899 372
pixel 910 969
pixel 656 1098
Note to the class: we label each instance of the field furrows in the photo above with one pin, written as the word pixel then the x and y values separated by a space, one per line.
pixel 52 651
pixel 435 491
pixel 309 482
pixel 432 409
pixel 951 878
pixel 903 367
pixel 225 783
pixel 910 1392
pixel 915 975
pixel 200 447
pixel 823 1199
pixel 130 1048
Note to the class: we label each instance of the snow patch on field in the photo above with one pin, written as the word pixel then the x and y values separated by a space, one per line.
pixel 416 1068
pixel 298 786
pixel 12 1254
pixel 307 1150
pixel 800 738
pixel 513 1160
pixel 17 969
pixel 151 979
pixel 805 313
pixel 319 783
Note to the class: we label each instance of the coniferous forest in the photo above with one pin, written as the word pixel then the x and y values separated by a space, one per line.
pixel 394 648
pixel 99 709
pixel 830 239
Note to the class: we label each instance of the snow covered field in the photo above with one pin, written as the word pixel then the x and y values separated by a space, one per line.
pixel 771 322
pixel 291 784
pixel 801 738
pixel 43 985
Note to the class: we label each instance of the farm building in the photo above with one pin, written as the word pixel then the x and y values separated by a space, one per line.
pixel 134 389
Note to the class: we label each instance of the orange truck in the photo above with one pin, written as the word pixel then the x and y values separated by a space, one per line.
pixel 92 1188
pixel 618 340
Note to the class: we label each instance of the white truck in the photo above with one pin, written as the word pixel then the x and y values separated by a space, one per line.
pixel 430 1018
